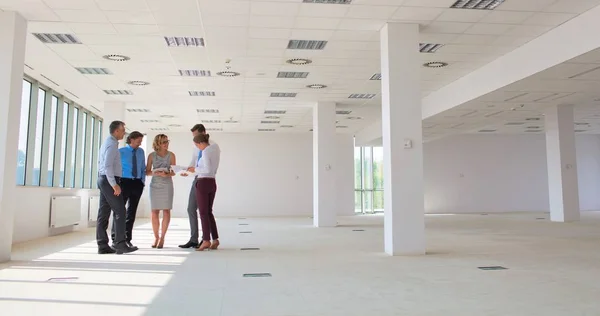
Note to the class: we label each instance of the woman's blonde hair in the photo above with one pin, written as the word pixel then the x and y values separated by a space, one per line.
pixel 158 139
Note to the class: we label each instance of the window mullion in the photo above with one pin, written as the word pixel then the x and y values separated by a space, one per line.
pixel 30 161
pixel 46 138
pixel 87 152
pixel 58 153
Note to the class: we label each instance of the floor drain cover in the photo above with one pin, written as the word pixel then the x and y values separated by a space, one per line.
pixel 257 275
pixel 492 268
pixel 245 232
pixel 249 248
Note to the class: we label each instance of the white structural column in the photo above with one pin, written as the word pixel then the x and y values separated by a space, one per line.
pixel 324 192
pixel 113 111
pixel 404 228
pixel 13 32
pixel 562 164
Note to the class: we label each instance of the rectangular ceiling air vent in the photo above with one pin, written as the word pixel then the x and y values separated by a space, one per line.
pixel 362 96
pixel 487 131
pixel 343 112
pixel 279 112
pixel 118 92
pixel 177 41
pixel 149 121
pixel 287 126
pixel 581 124
pixel 375 77
pixel 93 71
pixel 283 95
pixel 292 74
pixel 534 127
pixel 231 121
pixel 266 130
pixel 269 122
pixel 56 38
pixel 138 110
pixel 429 48
pixel 202 93
pixel 532 119
pixel 272 117
pixel 194 73
pixel 159 129
pixel 306 44
pixel 514 123
pixel 579 131
pixel 211 121
pixel 341 126
pixel 477 4
pixel 329 1
pixel 215 129
pixel 213 111
pixel 533 130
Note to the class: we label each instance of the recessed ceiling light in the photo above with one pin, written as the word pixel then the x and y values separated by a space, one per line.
pixel 56 38
pixel 178 41
pixel 228 73
pixel 306 44
pixel 299 61
pixel 138 83
pixel 435 64
pixel 316 86
pixel 477 4
pixel 429 48
pixel 116 57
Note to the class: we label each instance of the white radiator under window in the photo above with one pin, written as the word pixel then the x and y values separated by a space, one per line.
pixel 93 208
pixel 65 211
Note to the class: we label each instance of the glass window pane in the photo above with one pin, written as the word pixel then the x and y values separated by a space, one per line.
pixel 378 167
pixel 378 201
pixel 83 150
pixel 73 162
pixel 63 145
pixel 39 132
pixel 52 140
pixel 93 153
pixel 23 128
pixel 367 168
pixel 99 135
pixel 368 201
pixel 358 201
pixel 357 169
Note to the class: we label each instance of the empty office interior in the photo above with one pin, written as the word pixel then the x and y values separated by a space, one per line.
pixel 385 157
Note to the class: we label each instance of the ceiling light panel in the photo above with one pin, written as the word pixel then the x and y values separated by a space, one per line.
pixel 177 41
pixel 283 95
pixel 307 44
pixel 93 71
pixel 292 74
pixel 194 73
pixel 202 93
pixel 477 4
pixel 55 38
pixel 118 92
pixel 362 96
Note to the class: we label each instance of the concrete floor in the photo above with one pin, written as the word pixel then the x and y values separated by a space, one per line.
pixel 553 269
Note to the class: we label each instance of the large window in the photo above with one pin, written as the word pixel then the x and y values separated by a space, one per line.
pixel 56 140
pixel 23 128
pixel 368 179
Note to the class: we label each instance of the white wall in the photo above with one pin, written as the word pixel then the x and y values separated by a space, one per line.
pixel 32 213
pixel 501 173
pixel 263 174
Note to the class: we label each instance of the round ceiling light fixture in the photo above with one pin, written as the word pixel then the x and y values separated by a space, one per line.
pixel 228 73
pixel 139 83
pixel 435 64
pixel 316 86
pixel 299 61
pixel 116 57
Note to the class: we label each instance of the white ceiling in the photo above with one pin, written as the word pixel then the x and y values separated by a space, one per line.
pixel 254 36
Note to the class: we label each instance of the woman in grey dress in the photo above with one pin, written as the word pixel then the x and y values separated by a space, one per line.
pixel 161 187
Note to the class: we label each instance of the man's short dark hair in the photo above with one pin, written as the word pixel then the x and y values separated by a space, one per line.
pixel 133 135
pixel 114 126
pixel 198 128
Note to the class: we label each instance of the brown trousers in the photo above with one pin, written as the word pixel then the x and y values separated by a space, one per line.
pixel 206 188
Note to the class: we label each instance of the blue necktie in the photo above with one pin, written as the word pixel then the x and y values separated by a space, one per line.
pixel 199 156
pixel 134 170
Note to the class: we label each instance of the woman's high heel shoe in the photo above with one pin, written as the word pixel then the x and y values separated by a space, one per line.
pixel 205 245
pixel 161 243
pixel 155 244
pixel 215 244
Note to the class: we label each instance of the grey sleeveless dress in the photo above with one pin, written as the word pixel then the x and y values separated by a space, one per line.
pixel 161 188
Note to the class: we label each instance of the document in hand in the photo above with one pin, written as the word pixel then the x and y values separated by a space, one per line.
pixel 178 169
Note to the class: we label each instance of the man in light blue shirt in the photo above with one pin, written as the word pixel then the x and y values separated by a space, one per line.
pixel 133 160
pixel 109 179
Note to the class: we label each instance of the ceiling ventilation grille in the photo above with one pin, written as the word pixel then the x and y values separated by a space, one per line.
pixel 269 122
pixel 292 74
pixel 343 112
pixel 266 130
pixel 487 130
pixel 159 129
pixel 275 112
pixel 194 73
pixel 287 126
pixel 118 92
pixel 283 95
pixel 202 93
pixel 532 119
pixel 212 111
pixel 138 110
pixel 215 129
pixel 341 126
pixel 176 41
pixel 477 4
pixel 149 121
pixel 93 71
pixel 375 77
pixel 329 1
pixel 54 38
pixel 514 123
pixel 307 44
pixel 429 48
pixel 211 121
pixel 362 96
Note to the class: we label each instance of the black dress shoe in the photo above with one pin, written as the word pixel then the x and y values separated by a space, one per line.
pixel 130 245
pixel 122 248
pixel 106 250
pixel 190 244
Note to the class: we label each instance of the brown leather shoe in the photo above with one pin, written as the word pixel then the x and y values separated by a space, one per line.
pixel 205 245
pixel 215 244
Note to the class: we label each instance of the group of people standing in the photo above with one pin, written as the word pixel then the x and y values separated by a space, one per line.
pixel 122 177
